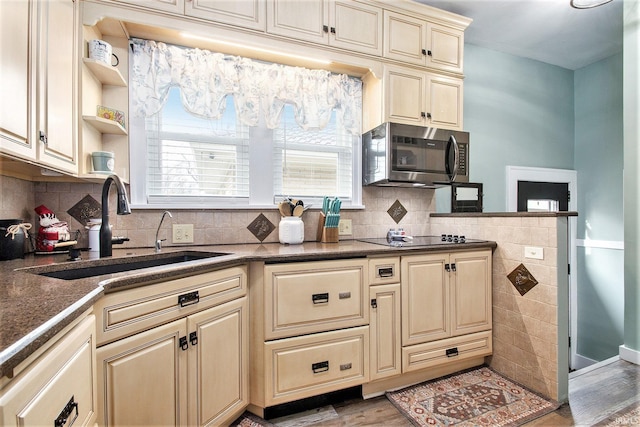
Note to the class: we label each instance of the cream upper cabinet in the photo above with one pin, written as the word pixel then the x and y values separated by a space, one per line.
pixel 245 13
pixel 414 40
pixel 17 68
pixel 445 295
pixel 39 74
pixel 59 387
pixel 340 23
pixel 415 97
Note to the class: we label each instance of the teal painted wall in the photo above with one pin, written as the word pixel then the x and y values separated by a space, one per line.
pixel 631 105
pixel 598 161
pixel 519 112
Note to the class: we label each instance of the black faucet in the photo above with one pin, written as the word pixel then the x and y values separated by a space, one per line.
pixel 123 209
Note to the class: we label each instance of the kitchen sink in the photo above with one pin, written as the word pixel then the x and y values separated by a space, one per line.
pixel 119 265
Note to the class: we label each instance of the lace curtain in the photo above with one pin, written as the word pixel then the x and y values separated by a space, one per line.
pixel 205 78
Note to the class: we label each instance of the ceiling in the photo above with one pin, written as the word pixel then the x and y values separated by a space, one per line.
pixel 550 31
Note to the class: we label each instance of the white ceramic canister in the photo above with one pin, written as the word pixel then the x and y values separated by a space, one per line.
pixel 291 230
pixel 94 235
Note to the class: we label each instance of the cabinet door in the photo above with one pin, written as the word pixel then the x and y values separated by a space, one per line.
pixel 174 6
pixel 425 298
pixel 63 377
pixel 384 331
pixel 405 38
pixel 471 292
pixel 16 73
pixel 57 84
pixel 142 380
pixel 405 95
pixel 445 48
pixel 245 13
pixel 444 108
pixel 356 26
pixel 218 363
pixel 302 20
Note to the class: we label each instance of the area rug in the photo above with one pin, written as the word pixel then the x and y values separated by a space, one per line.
pixel 479 397
pixel 247 419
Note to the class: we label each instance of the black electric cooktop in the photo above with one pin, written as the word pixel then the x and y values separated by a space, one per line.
pixel 423 241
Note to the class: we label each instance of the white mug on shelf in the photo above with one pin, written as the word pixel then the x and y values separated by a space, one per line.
pixel 101 51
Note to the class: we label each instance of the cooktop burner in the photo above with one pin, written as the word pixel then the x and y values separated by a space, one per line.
pixel 423 241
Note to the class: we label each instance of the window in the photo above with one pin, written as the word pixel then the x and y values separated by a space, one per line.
pixel 215 159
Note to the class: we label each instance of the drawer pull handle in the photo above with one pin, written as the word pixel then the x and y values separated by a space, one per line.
pixel 320 367
pixel 183 343
pixel 320 298
pixel 451 352
pixel 344 295
pixel 193 338
pixel 66 412
pixel 189 299
pixel 385 272
pixel 345 367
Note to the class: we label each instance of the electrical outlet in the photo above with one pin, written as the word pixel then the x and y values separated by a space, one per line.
pixel 344 227
pixel 534 252
pixel 182 233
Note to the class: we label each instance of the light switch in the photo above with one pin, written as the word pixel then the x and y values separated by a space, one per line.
pixel 534 252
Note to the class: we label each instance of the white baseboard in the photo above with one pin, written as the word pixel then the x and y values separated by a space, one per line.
pixel 592 366
pixel 629 354
pixel 581 362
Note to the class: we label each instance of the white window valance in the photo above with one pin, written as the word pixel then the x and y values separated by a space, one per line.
pixel 205 78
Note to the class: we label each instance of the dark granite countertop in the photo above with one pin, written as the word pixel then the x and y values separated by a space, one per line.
pixel 34 308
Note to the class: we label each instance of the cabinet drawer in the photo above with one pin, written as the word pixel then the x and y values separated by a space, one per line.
pixel 62 379
pixel 435 353
pixel 384 270
pixel 127 312
pixel 315 364
pixel 315 297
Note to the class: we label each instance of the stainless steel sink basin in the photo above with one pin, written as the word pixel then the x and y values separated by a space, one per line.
pixel 119 265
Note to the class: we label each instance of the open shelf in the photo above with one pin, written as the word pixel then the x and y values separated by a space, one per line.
pixel 105 125
pixel 107 74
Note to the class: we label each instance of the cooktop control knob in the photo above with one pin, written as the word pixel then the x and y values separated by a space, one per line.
pixel 444 238
pixel 462 239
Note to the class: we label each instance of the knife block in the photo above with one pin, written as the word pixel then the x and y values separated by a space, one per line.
pixel 326 234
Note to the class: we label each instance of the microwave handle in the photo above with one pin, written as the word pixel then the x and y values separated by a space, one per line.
pixel 456 158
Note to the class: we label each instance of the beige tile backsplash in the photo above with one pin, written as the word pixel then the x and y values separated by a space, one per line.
pixel 19 198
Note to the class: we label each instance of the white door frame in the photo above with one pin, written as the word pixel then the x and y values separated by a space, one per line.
pixel 522 173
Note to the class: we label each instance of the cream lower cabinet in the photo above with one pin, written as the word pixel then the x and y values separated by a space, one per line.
pixel 189 371
pixel 416 97
pixel 446 307
pixel 310 332
pixel 59 387
pixel 384 322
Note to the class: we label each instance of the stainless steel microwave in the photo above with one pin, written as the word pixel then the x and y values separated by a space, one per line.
pixel 398 155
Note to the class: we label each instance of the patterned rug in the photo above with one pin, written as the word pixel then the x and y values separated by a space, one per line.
pixel 250 420
pixel 479 397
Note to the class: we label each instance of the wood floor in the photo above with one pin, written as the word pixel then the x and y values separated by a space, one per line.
pixel 594 397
